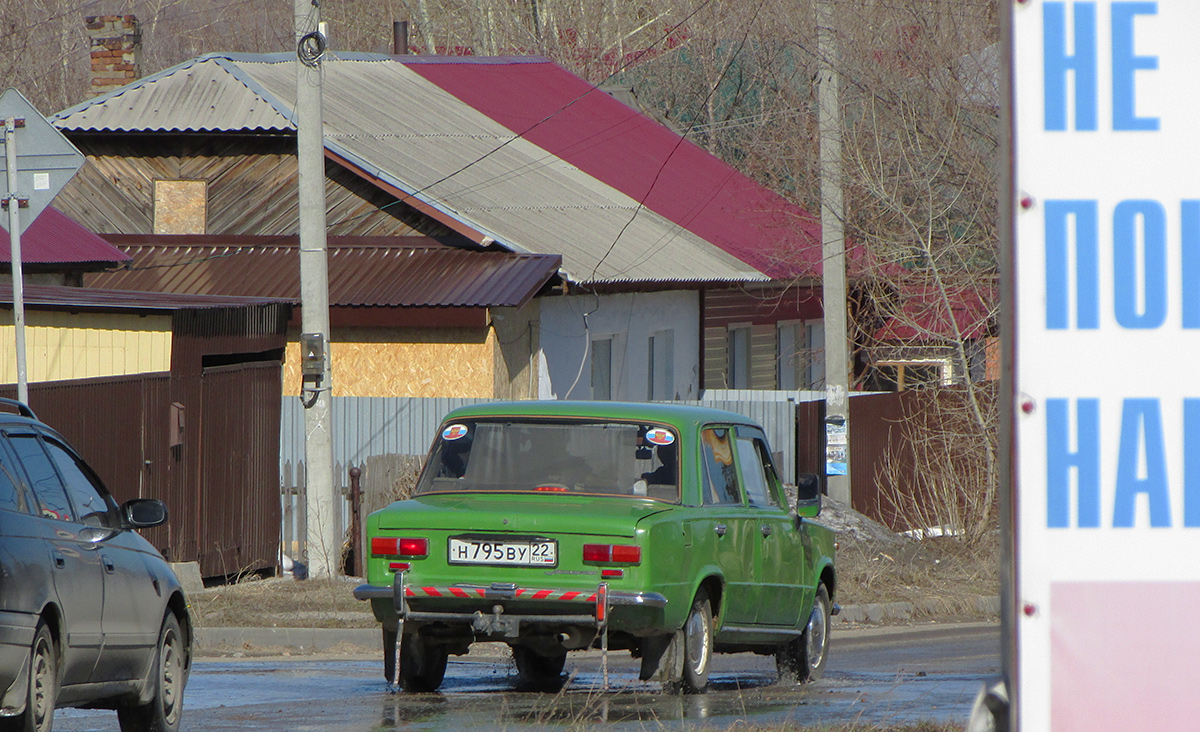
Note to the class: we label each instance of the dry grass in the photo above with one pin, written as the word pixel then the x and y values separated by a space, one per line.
pixel 281 602
pixel 943 577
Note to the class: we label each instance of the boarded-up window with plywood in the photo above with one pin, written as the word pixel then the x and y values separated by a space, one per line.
pixel 180 206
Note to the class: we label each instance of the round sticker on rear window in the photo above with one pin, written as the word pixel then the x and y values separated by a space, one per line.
pixel 659 436
pixel 454 432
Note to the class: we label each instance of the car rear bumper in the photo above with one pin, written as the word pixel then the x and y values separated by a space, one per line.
pixel 507 592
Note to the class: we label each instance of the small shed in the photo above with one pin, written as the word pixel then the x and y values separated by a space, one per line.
pixel 173 397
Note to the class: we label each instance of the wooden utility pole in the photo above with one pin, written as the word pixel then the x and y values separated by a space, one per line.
pixel 833 250
pixel 323 546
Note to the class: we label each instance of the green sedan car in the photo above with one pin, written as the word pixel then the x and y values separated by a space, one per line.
pixel 556 526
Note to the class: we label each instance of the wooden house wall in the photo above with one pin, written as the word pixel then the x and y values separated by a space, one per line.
pixel 761 309
pixel 252 187
pixel 63 345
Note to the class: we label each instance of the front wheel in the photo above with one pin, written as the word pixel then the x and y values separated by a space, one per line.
pixel 803 659
pixel 422 664
pixel 168 676
pixel 42 690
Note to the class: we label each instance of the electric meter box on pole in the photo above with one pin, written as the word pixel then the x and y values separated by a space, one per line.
pixel 1107 249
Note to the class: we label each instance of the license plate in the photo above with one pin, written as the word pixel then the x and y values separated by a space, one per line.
pixel 518 553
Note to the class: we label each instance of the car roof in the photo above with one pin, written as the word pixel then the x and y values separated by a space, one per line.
pixel 678 415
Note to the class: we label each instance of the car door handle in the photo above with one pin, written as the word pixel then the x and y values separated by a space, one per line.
pixel 720 529
pixel 766 529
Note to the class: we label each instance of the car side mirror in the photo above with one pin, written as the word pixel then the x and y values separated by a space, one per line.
pixel 142 513
pixel 808 495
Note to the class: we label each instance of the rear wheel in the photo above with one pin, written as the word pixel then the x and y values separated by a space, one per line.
pixel 422 664
pixel 803 659
pixel 169 676
pixel 698 645
pixel 543 673
pixel 43 687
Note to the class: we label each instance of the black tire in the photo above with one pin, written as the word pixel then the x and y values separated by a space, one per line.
pixel 169 676
pixel 537 672
pixel 804 658
pixel 422 664
pixel 42 689
pixel 698 645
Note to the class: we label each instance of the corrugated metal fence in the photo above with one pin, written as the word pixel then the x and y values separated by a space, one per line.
pixel 368 429
pixel 371 427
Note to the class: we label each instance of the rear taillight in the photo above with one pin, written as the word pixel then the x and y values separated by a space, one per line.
pixel 388 546
pixel 611 554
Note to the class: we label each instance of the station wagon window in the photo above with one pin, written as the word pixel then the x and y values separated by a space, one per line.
pixel 12 491
pixel 89 501
pixel 554 456
pixel 44 479
pixel 720 473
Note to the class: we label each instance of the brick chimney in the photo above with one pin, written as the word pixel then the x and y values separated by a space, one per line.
pixel 116 42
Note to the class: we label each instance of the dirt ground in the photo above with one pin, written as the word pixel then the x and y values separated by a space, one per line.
pixel 941 576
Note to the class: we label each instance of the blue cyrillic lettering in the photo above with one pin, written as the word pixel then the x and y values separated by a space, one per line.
pixel 1057 64
pixel 1189 227
pixel 1061 460
pixel 1087 264
pixel 1125 64
pixel 1152 272
pixel 1141 427
pixel 1191 463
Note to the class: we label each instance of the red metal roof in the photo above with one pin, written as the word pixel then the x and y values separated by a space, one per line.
pixel 923 316
pixel 633 153
pixel 55 238
pixel 87 298
pixel 363 271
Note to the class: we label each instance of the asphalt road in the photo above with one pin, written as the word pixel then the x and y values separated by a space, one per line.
pixel 874 676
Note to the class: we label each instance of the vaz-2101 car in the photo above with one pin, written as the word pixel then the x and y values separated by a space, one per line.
pixel 558 526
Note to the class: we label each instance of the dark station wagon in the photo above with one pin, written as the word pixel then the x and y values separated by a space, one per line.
pixel 659 529
pixel 91 615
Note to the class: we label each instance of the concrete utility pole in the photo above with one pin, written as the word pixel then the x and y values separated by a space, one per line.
pixel 14 237
pixel 833 250
pixel 323 544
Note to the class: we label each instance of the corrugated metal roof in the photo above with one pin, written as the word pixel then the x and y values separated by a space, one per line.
pixel 363 271
pixel 636 154
pixel 56 239
pixel 205 94
pixel 395 125
pixel 86 298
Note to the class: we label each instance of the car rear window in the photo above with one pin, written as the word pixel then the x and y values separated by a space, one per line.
pixel 630 459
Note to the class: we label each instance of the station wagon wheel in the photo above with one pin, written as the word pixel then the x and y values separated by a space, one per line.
pixel 43 687
pixel 803 659
pixel 422 664
pixel 698 644
pixel 537 672
pixel 168 677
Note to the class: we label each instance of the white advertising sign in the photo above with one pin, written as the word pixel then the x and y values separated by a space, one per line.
pixel 1107 336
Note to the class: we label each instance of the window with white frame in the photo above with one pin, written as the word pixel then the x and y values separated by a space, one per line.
pixel 602 360
pixel 737 374
pixel 800 353
pixel 660 366
pixel 902 375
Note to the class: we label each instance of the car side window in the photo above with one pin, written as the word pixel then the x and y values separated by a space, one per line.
pixel 13 495
pixel 43 478
pixel 90 501
pixel 758 490
pixel 720 474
